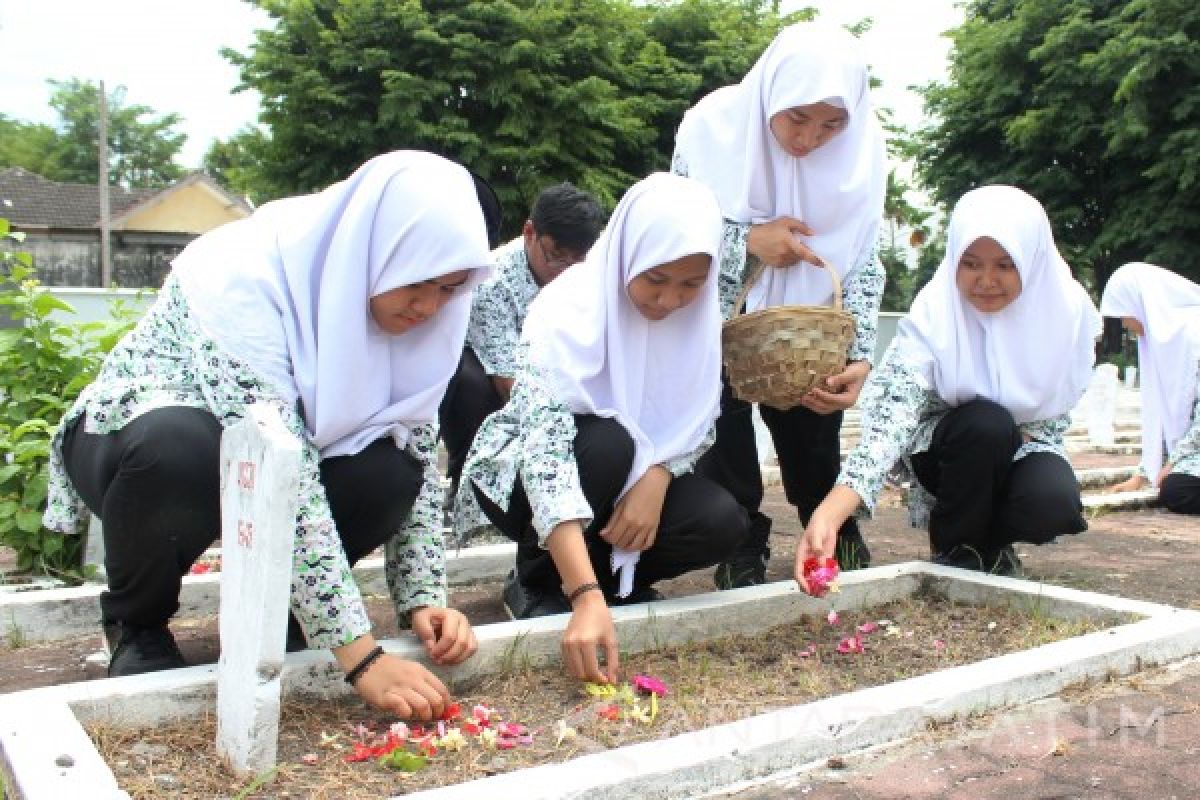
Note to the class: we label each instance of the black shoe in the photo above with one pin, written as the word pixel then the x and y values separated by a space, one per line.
pixel 962 556
pixel 851 551
pixel 141 650
pixel 1006 562
pixel 643 594
pixel 994 562
pixel 527 602
pixel 296 640
pixel 746 568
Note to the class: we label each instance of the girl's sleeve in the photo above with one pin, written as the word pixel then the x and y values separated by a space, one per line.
pixel 687 462
pixel 735 265
pixel 325 597
pixel 493 330
pixel 1188 445
pixel 862 292
pixel 415 557
pixel 892 402
pixel 1044 436
pixel 549 472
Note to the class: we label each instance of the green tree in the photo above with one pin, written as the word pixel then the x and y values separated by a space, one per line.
pixel 1093 106
pixel 142 152
pixel 233 163
pixel 28 145
pixel 526 92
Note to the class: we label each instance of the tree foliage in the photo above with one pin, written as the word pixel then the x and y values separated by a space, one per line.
pixel 526 92
pixel 1093 106
pixel 142 148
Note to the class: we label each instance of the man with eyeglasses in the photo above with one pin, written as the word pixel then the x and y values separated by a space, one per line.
pixel 562 226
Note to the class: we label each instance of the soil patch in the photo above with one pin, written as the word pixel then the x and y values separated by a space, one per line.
pixel 709 684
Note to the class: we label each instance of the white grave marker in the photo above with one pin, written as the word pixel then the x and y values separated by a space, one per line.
pixel 1102 406
pixel 260 476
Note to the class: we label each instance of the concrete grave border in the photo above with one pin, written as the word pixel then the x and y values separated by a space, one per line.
pixel 49 615
pixel 46 753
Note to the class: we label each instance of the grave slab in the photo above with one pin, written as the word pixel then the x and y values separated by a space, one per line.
pixel 699 762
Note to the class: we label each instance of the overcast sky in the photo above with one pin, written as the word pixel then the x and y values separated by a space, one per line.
pixel 165 52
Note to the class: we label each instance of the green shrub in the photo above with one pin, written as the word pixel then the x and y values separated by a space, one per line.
pixel 44 364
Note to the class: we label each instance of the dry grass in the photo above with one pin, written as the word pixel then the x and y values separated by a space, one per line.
pixel 710 683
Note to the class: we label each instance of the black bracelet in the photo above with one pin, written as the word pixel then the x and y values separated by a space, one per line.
pixel 363 665
pixel 587 587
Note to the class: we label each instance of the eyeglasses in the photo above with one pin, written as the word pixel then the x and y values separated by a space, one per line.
pixel 557 261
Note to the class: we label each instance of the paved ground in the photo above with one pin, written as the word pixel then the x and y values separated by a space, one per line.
pixel 1136 738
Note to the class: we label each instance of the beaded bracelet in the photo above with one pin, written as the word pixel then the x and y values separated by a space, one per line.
pixel 586 587
pixel 363 665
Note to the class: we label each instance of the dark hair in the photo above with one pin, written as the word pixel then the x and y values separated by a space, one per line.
pixel 489 203
pixel 569 215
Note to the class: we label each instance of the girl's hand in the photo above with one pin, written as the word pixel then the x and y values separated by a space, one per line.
pixel 1138 481
pixel 591 628
pixel 840 391
pixel 634 521
pixel 446 634
pixel 404 688
pixel 776 245
pixel 820 537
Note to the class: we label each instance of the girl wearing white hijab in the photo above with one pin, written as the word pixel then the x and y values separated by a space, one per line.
pixel 588 466
pixel 796 159
pixel 344 310
pixel 975 393
pixel 1163 310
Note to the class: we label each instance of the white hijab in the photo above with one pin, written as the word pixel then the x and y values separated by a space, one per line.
pixel 1033 357
pixel 1168 306
pixel 661 380
pixel 287 292
pixel 838 189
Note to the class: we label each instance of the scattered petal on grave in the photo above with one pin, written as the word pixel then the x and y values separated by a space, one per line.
pixel 649 685
pixel 850 644
pixel 832 617
pixel 563 732
pixel 310 759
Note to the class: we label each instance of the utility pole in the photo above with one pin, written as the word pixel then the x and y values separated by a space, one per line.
pixel 105 246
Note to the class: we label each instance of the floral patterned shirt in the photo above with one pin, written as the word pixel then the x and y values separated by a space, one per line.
pixel 1184 457
pixel 167 360
pixel 498 310
pixel 862 288
pixel 533 438
pixel 898 420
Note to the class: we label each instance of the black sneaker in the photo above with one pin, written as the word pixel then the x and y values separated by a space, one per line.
pixel 141 650
pixel 746 568
pixel 643 594
pixel 1006 562
pixel 962 556
pixel 527 602
pixel 851 551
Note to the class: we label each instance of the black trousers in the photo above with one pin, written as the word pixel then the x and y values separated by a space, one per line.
pixel 155 484
pixel 985 500
pixel 1180 493
pixel 700 525
pixel 470 398
pixel 808 446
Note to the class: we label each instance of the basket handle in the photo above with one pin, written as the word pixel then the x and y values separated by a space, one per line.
pixel 761 268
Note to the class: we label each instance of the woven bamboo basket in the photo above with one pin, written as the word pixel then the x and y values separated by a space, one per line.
pixel 774 356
